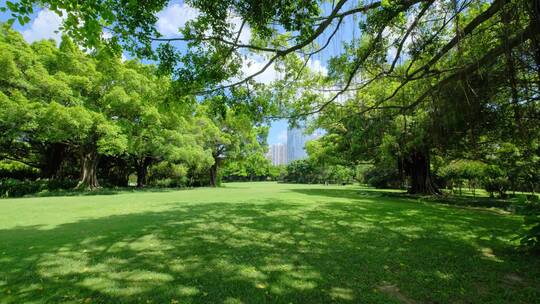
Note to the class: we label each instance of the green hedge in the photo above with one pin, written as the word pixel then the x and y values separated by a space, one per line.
pixel 10 187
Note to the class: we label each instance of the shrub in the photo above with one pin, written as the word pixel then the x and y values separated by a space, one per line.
pixel 495 181
pixel 456 171
pixel 360 173
pixel 530 240
pixel 17 170
pixel 339 175
pixel 382 177
pixel 276 172
pixel 166 174
pixel 11 187
pixel 308 172
pixel 61 184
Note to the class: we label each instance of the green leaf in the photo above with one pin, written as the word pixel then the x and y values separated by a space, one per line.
pixel 11 6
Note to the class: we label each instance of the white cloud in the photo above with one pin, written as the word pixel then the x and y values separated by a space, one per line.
pixel 317 67
pixel 255 63
pixel 252 65
pixel 106 35
pixel 43 27
pixel 245 36
pixel 175 16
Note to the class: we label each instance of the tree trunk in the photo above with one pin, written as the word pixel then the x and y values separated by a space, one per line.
pixel 418 168
pixel 89 162
pixel 54 156
pixel 214 174
pixel 534 13
pixel 118 172
pixel 142 171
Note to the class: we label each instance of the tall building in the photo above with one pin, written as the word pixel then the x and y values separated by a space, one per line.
pixel 296 142
pixel 277 154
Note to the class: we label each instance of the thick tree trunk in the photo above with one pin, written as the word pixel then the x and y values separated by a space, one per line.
pixel 54 156
pixel 142 171
pixel 118 172
pixel 418 169
pixel 89 162
pixel 214 174
pixel 123 178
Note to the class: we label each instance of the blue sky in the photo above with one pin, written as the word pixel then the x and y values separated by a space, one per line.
pixel 45 22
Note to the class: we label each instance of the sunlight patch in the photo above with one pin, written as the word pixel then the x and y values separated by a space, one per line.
pixel 62 264
pixel 141 276
pixel 112 287
pixel 342 293
pixel 230 300
pixel 251 273
pixel 150 244
pixel 487 253
pixel 444 275
pixel 188 291
pixel 394 292
pixel 300 284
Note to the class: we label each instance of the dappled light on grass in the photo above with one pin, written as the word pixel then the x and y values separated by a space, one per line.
pixel 305 245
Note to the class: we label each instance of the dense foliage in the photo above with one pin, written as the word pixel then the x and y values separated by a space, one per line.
pixel 66 114
pixel 431 93
pixel 308 172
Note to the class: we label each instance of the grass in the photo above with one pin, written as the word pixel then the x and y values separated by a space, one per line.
pixel 259 243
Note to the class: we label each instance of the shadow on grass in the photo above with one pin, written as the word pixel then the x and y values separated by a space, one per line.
pixel 465 201
pixel 271 252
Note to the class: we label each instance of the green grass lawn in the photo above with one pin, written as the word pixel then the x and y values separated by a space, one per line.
pixel 259 243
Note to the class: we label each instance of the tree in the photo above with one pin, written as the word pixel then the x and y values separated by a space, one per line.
pixel 457 72
pixel 231 132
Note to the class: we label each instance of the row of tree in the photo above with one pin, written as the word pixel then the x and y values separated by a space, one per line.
pixel 90 116
pixel 466 87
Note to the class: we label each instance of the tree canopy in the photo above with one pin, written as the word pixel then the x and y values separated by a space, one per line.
pixel 420 76
pixel 62 107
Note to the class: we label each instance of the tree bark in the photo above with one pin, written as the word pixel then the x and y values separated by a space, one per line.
pixel 54 156
pixel 89 162
pixel 118 171
pixel 142 171
pixel 418 168
pixel 535 23
pixel 214 174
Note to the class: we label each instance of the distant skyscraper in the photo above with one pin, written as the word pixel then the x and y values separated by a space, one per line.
pixel 277 154
pixel 296 142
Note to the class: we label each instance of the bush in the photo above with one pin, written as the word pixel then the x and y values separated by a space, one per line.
pixel 299 171
pixel 360 173
pixel 338 175
pixel 459 170
pixel 530 240
pixel 382 177
pixel 17 170
pixel 495 181
pixel 165 174
pixel 307 172
pixel 61 184
pixel 11 187
pixel 276 173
